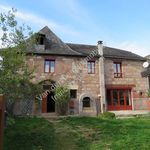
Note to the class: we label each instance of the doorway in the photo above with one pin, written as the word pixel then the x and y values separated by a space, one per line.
pixel 119 99
pixel 50 102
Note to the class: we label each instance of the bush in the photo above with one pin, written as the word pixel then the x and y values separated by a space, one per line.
pixel 10 121
pixel 148 93
pixel 108 115
pixel 62 97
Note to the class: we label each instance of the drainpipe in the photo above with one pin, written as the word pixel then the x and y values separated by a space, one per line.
pixel 101 76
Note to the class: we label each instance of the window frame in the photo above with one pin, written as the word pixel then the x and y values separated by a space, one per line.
pixel 49 65
pixel 92 70
pixel 86 102
pixel 121 104
pixel 75 93
pixel 41 39
pixel 117 69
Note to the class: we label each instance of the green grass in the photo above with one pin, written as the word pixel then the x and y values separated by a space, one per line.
pixel 83 133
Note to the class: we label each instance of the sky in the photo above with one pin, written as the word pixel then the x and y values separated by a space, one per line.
pixel 123 24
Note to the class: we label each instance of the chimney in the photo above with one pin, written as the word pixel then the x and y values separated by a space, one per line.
pixel 101 76
pixel 100 47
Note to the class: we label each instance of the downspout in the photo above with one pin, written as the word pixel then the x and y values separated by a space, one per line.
pixel 101 77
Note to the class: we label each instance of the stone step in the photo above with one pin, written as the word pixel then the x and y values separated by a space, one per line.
pixel 91 114
pixel 54 116
pixel 49 115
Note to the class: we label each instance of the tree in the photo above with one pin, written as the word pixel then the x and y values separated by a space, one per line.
pixel 15 76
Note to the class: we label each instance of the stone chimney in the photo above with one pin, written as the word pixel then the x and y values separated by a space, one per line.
pixel 100 47
pixel 101 77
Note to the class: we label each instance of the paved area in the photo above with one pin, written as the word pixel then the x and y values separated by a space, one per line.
pixel 130 113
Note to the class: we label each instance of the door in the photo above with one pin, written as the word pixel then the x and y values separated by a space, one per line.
pixel 44 105
pixel 48 103
pixel 119 99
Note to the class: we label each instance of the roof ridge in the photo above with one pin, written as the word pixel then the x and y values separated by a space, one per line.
pixel 81 44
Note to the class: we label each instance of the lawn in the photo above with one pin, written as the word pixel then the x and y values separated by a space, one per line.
pixel 78 133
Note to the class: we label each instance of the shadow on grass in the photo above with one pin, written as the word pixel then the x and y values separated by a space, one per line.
pixel 29 134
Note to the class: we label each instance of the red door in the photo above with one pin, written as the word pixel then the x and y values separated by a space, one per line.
pixel 119 99
pixel 44 104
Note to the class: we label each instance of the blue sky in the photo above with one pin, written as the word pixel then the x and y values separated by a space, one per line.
pixel 121 24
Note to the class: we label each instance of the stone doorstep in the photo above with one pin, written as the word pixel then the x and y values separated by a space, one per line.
pixel 88 115
pixel 49 114
pixel 54 116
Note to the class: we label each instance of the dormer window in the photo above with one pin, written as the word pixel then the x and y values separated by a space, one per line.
pixel 40 39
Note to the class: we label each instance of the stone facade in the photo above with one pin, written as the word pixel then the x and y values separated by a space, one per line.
pixel 131 77
pixel 70 71
pixel 95 92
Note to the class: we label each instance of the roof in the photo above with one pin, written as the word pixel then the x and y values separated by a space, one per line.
pixel 118 53
pixel 55 46
pixel 108 51
pixel 147 57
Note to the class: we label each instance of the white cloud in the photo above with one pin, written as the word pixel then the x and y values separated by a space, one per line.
pixel 76 11
pixel 134 47
pixel 31 18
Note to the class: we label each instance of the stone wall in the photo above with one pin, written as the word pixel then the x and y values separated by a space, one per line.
pixel 131 76
pixel 71 71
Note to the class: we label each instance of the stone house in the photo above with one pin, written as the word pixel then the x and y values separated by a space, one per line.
pixel 100 78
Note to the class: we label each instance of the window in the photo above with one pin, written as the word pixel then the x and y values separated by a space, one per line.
pixel 73 93
pixel 86 102
pixel 49 66
pixel 91 67
pixel 119 99
pixel 117 70
pixel 40 39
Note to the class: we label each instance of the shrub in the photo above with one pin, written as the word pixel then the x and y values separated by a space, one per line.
pixel 108 115
pixel 62 97
pixel 10 121
pixel 148 93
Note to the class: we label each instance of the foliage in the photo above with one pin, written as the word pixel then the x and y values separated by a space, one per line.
pixel 62 97
pixel 78 133
pixel 15 76
pixel 148 93
pixel 107 115
pixel 10 121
